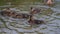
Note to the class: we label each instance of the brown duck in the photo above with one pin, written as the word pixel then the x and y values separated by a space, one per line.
pixel 35 10
pixel 35 21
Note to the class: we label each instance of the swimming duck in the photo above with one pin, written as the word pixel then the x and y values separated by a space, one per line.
pixel 12 14
pixel 6 12
pixel 33 21
pixel 23 15
pixel 35 10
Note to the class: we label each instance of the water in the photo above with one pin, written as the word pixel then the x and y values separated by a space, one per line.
pixel 49 14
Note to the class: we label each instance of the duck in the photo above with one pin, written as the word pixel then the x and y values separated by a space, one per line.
pixel 13 14
pixel 34 10
pixel 33 21
pixel 5 12
pixel 23 16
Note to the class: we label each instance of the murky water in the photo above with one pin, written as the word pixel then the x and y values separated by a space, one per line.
pixel 51 15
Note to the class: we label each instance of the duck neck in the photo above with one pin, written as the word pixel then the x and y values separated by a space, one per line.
pixel 31 18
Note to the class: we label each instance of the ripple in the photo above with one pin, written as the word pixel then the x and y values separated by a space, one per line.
pixel 20 25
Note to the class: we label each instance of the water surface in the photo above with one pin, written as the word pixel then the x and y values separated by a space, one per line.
pixel 49 14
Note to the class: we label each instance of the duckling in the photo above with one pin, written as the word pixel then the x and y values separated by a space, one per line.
pixel 6 12
pixel 34 21
pixel 13 14
pixel 26 16
pixel 23 16
pixel 19 16
pixel 35 10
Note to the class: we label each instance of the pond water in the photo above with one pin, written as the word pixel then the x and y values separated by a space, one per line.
pixel 49 14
